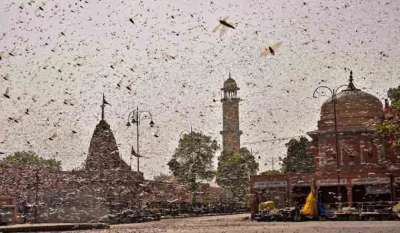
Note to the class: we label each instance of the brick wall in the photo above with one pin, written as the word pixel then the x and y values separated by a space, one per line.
pixel 231 132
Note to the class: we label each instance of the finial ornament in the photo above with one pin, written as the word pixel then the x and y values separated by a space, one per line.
pixel 351 76
pixel 102 107
pixel 351 84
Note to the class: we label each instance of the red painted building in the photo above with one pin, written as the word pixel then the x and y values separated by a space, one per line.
pixel 367 168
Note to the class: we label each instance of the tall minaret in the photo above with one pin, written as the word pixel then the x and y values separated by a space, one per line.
pixel 230 110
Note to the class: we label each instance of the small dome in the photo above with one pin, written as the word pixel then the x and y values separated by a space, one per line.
pixel 230 84
pixel 354 109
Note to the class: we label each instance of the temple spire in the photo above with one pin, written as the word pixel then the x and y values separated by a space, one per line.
pixel 102 107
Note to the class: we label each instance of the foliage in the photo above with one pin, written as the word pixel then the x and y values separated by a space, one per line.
pixel 271 173
pixel 297 159
pixel 394 96
pixel 163 178
pixel 390 128
pixel 234 171
pixel 29 158
pixel 192 161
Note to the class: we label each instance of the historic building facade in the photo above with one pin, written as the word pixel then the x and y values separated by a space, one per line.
pixel 230 121
pixel 365 167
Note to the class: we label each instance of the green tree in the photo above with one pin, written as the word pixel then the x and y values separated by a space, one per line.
pixel 234 171
pixel 29 158
pixel 163 178
pixel 192 161
pixel 271 173
pixel 390 127
pixel 297 159
pixel 394 96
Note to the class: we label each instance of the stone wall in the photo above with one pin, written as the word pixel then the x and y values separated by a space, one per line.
pixel 71 196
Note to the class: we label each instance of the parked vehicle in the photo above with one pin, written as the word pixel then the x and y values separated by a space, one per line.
pixel 362 212
pixel 6 214
pixel 8 210
pixel 285 214
pixel 131 216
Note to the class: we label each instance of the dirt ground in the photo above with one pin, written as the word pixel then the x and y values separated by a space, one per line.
pixel 241 224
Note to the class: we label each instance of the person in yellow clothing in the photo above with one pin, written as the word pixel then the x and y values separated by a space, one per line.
pixel 310 207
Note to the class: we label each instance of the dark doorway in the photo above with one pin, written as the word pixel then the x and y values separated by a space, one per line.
pixel 328 194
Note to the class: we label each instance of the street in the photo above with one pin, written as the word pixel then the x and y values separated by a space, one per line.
pixel 240 224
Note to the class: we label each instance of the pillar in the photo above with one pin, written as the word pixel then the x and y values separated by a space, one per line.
pixel 349 189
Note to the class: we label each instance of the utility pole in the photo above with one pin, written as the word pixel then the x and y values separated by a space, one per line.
pixel 191 150
pixel 137 137
pixel 35 210
pixel 272 161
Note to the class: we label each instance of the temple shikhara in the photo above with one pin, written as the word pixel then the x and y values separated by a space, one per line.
pixel 353 163
pixel 103 149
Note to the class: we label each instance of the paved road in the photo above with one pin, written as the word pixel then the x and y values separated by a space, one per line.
pixel 239 224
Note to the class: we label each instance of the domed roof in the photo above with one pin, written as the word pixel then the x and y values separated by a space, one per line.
pixel 230 84
pixel 354 109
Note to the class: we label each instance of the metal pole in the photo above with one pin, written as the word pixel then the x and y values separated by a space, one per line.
pixel 392 191
pixel 191 156
pixel 337 146
pixel 36 195
pixel 137 137
pixel 288 189
pixel 273 163
pixel 130 160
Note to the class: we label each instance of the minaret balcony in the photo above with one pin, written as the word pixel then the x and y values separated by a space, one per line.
pixel 233 131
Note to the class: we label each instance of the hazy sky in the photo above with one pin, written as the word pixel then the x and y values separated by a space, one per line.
pixel 58 57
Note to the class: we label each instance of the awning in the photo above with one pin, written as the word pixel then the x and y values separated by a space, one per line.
pixel 377 189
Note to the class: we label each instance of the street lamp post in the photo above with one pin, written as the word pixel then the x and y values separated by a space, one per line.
pixel 134 117
pixel 35 210
pixel 333 93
